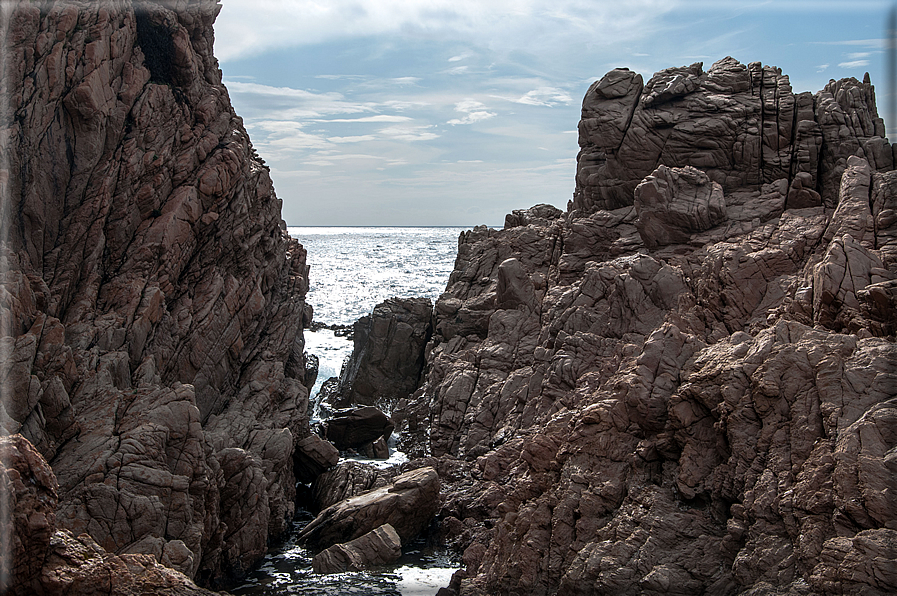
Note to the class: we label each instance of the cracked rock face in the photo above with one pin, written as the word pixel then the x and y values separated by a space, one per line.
pixel 741 125
pixel 153 303
pixel 45 559
pixel 701 402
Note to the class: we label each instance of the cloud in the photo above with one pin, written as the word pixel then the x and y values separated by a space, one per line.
pixel 409 133
pixel 822 67
pixel 545 96
pixel 377 118
pixel 473 111
pixel 251 27
pixel 354 139
pixel 854 64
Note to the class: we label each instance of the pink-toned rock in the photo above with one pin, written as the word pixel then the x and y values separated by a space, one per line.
pixel 43 559
pixel 705 411
pixel 151 293
pixel 673 203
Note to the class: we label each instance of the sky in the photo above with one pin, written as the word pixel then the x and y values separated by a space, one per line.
pixel 456 112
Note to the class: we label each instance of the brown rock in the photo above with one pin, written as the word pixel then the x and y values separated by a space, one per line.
pixel 356 427
pixel 408 505
pixel 152 292
pixel 380 546
pixel 44 559
pixel 712 417
pixel 388 354
pixel 674 203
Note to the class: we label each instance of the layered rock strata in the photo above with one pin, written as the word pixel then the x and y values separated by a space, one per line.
pixel 152 302
pixel 693 393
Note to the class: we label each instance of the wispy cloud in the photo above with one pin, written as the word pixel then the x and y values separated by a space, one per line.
pixel 854 64
pixel 545 96
pixel 474 111
pixel 377 118
pixel 250 27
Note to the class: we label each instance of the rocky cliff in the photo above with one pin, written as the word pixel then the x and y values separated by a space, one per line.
pixel 687 383
pixel 152 302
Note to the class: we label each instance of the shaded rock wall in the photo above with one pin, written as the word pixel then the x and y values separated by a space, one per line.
pixel 707 414
pixel 152 301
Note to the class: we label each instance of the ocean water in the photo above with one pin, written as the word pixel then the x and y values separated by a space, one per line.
pixel 354 269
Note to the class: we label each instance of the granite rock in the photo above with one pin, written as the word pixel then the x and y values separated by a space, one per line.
pixel 153 303
pixel 703 405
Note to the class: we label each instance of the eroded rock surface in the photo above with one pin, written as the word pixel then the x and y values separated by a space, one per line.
pixel 692 404
pixel 153 303
pixel 388 354
pixel 44 559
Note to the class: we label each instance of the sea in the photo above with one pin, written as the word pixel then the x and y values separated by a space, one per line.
pixel 352 270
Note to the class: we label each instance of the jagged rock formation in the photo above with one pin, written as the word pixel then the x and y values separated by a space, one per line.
pixel 46 559
pixel 153 304
pixel 741 125
pixel 690 387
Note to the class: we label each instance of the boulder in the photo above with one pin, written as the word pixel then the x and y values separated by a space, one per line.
pixel 408 504
pixel 356 427
pixel 380 546
pixel 801 194
pixel 346 480
pixel 313 457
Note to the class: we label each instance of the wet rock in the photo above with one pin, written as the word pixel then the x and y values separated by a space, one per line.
pixel 407 504
pixel 378 547
pixel 356 427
